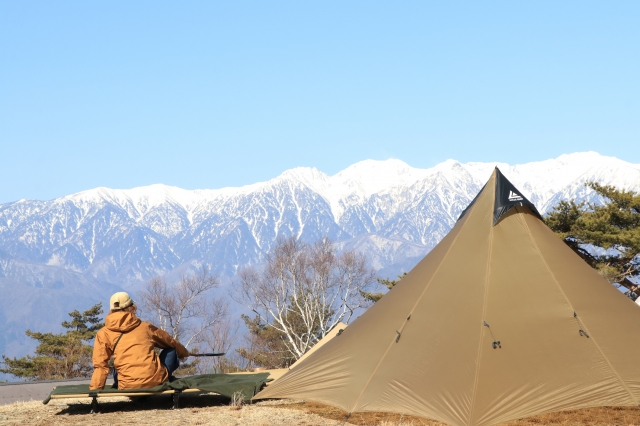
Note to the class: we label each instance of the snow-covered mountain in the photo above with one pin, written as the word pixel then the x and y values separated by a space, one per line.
pixel 68 253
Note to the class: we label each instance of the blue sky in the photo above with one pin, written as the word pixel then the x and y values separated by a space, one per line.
pixel 214 94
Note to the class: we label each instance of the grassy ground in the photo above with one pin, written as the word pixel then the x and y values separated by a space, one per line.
pixel 600 416
pixel 197 410
pixel 214 410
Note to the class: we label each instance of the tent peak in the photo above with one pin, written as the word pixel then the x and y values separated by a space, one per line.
pixel 506 197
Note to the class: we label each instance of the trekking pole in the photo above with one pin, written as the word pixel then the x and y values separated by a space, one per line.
pixel 210 354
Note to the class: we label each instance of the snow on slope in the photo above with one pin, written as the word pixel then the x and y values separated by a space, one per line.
pixel 389 210
pixel 164 226
pixel 545 180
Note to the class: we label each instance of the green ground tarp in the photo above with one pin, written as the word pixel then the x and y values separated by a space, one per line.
pixel 224 384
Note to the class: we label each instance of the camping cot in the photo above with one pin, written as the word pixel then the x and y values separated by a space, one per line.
pixel 246 385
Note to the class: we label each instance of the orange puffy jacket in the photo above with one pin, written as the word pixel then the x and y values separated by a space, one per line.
pixel 137 363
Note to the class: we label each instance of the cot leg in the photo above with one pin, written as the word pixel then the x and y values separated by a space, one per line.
pixel 94 404
pixel 176 400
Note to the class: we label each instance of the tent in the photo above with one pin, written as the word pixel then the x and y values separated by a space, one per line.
pixel 501 320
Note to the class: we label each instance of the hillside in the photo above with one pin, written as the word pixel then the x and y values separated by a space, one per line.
pixel 84 246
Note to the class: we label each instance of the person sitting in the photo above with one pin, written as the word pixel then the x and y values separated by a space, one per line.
pixel 132 344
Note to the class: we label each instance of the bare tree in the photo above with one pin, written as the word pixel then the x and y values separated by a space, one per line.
pixel 304 290
pixel 186 310
pixel 220 339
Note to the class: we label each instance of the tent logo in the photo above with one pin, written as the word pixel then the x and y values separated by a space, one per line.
pixel 514 197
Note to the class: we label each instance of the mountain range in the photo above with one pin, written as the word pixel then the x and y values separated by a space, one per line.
pixel 71 252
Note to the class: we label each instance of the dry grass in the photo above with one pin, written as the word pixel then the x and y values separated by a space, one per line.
pixel 374 419
pixel 587 416
pixel 214 410
pixel 237 401
pixel 599 416
pixel 198 410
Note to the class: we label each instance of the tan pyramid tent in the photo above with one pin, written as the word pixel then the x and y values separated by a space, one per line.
pixel 500 321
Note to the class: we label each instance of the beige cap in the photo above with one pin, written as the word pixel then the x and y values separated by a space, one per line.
pixel 120 301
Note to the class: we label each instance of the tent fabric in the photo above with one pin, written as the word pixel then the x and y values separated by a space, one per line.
pixel 336 330
pixel 224 384
pixel 495 323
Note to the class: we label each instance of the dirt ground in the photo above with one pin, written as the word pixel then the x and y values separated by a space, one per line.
pixel 214 410
pixel 599 416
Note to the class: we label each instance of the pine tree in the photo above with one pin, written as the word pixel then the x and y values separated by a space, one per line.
pixel 606 236
pixel 60 355
pixel 374 297
pixel 266 346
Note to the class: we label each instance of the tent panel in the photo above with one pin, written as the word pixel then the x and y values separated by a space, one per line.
pixel 431 369
pixel 542 363
pixel 610 318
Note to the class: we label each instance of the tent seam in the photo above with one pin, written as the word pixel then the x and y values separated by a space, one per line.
pixel 355 404
pixel 484 311
pixel 624 385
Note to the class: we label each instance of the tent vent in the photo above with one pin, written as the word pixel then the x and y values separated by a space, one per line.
pixel 340 331
pixel 398 337
pixel 409 317
pixel 507 197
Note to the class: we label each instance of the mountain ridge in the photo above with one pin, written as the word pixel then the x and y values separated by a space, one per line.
pixel 117 239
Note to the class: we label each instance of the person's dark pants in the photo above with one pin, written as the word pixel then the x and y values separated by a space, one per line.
pixel 169 360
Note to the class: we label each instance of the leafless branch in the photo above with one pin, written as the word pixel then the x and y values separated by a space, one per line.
pixel 304 290
pixel 187 309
